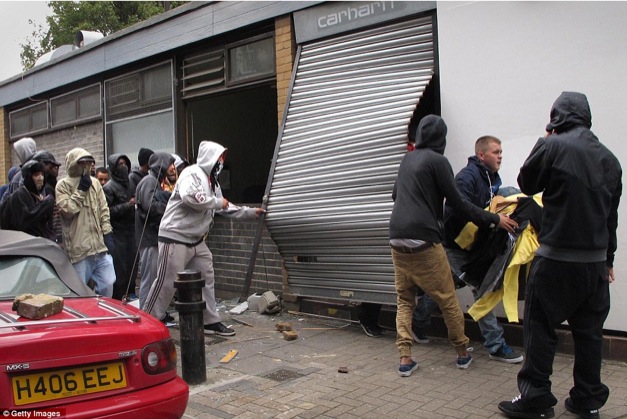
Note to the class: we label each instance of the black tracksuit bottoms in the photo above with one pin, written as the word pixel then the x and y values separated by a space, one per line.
pixel 559 291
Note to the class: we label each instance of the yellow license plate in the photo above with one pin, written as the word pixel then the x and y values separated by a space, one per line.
pixel 39 387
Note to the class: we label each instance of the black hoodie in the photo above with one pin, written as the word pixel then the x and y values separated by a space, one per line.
pixel 582 185
pixel 28 210
pixel 118 193
pixel 425 179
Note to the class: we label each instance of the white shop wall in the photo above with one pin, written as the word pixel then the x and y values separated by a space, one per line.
pixel 503 64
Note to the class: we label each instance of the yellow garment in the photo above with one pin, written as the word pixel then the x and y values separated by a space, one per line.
pixel 522 255
pixel 499 205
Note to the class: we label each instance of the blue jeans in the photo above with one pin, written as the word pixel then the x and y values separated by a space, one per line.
pixel 100 269
pixel 491 330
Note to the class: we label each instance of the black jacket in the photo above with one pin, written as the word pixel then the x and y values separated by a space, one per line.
pixel 118 193
pixel 582 185
pixel 425 179
pixel 151 200
pixel 28 209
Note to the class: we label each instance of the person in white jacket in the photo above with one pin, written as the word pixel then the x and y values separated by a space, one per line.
pixel 187 219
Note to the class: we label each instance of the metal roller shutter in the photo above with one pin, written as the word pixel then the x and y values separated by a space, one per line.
pixel 343 138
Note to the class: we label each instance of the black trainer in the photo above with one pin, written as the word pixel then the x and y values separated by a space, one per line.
pixel 517 409
pixel 219 329
pixel 168 320
pixel 582 413
pixel 372 330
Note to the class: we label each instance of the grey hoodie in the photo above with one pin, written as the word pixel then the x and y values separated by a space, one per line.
pixel 189 214
pixel 25 149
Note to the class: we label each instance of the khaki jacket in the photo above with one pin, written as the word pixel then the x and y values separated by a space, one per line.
pixel 84 215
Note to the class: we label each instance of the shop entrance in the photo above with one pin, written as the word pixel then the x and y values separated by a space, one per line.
pixel 245 122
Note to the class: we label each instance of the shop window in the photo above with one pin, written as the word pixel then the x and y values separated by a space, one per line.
pixel 141 92
pixel 139 111
pixel 29 120
pixel 251 60
pixel 75 106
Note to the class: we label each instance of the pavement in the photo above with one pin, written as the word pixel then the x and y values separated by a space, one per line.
pixel 271 377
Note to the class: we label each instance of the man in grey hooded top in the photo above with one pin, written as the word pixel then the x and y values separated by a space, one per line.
pixel 151 200
pixel 25 148
pixel 188 217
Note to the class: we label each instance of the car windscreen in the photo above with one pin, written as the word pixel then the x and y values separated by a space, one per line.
pixel 32 275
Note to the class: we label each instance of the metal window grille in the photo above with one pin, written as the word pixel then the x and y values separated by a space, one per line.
pixel 203 73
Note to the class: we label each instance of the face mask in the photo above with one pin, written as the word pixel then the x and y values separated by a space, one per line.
pixel 122 171
pixel 219 168
pixel 39 181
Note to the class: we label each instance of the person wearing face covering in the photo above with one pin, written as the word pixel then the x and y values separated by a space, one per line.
pixel 424 180
pixel 121 204
pixel 85 220
pixel 52 173
pixel 187 219
pixel 29 208
pixel 25 148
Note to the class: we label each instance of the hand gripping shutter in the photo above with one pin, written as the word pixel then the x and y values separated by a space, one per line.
pixel 344 135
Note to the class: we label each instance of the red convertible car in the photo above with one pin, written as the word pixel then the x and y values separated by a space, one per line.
pixel 97 357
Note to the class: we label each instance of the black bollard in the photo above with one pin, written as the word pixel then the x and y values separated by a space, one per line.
pixel 190 306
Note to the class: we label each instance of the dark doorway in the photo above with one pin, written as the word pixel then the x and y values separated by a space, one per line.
pixel 245 122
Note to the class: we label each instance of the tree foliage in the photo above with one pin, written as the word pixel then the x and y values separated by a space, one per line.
pixel 68 17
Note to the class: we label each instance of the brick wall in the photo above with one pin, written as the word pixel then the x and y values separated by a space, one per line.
pixel 285 47
pixel 88 136
pixel 231 242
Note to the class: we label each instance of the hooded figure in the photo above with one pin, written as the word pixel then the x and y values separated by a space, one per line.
pixel 29 209
pixel 86 222
pixel 52 173
pixel 137 174
pixel 12 171
pixel 52 168
pixel 581 185
pixel 25 148
pixel 180 163
pixel 151 201
pixel 424 180
pixel 122 209
pixel 187 220
pixel 574 152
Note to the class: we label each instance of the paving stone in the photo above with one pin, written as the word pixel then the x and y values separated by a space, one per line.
pixel 372 387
